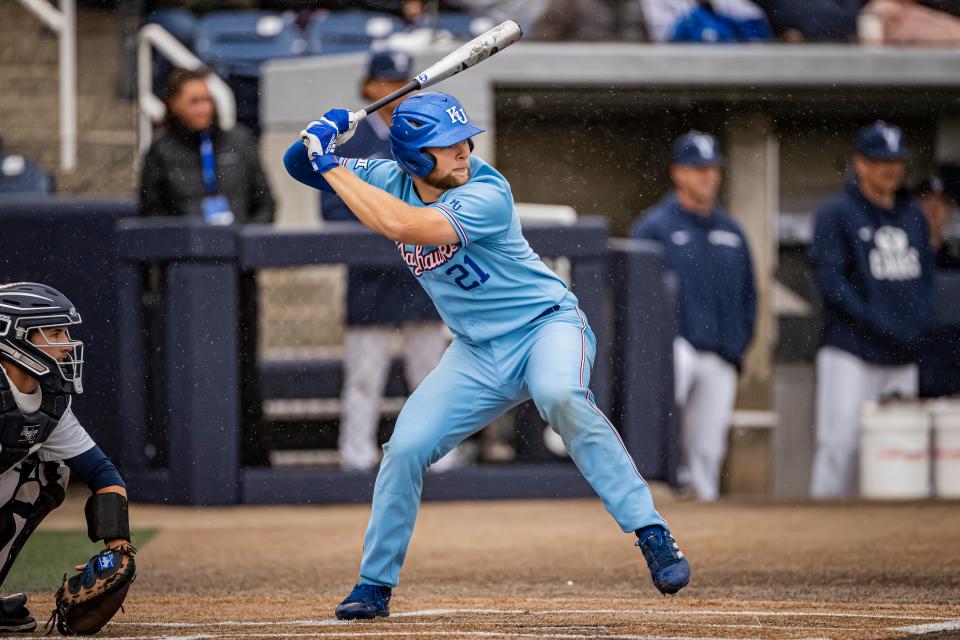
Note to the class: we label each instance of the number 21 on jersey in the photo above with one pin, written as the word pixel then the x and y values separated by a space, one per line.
pixel 468 279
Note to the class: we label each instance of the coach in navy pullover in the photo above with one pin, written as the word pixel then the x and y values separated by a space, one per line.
pixel 717 299
pixel 873 264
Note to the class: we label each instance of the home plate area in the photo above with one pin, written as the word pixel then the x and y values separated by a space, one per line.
pixel 702 620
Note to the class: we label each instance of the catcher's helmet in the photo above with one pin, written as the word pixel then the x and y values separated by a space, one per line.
pixel 427 120
pixel 28 307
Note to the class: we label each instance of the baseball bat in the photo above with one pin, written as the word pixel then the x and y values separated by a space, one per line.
pixel 471 54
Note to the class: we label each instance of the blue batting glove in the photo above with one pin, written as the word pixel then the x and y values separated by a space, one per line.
pixel 321 138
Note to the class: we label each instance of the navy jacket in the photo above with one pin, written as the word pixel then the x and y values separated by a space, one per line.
pixel 717 300
pixel 874 269
pixel 376 296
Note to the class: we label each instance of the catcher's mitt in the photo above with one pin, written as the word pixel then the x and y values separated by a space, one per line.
pixel 89 599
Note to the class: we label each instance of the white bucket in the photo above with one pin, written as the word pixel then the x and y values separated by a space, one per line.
pixel 895 450
pixel 946 448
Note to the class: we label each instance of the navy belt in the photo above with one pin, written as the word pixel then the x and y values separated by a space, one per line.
pixel 547 312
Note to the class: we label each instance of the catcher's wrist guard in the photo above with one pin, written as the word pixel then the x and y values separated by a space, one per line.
pixel 107 517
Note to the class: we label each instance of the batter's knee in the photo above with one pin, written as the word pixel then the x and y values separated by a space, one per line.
pixel 410 452
pixel 555 400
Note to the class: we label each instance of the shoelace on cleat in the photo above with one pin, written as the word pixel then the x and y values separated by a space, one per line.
pixel 363 592
pixel 662 548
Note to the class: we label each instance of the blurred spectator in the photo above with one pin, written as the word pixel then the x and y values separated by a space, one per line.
pixel 575 20
pixel 716 303
pixel 527 13
pixel 704 21
pixel 198 170
pixel 937 204
pixel 413 15
pixel 823 20
pixel 873 266
pixel 379 301
pixel 906 22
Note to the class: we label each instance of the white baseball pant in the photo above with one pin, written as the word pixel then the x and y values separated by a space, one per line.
pixel 705 387
pixel 844 384
pixel 366 365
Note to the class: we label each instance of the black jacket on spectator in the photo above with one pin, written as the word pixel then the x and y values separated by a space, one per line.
pixel 874 269
pixel 171 182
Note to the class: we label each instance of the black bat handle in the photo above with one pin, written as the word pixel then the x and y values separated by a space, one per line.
pixel 411 86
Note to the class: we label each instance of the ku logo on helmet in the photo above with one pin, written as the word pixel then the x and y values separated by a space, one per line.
pixel 457 114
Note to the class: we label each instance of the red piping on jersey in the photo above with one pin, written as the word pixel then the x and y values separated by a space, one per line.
pixel 453 217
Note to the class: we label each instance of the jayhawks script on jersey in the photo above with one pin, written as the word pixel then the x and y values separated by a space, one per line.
pixel 492 282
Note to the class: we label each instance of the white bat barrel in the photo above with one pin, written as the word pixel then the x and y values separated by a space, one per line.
pixel 472 53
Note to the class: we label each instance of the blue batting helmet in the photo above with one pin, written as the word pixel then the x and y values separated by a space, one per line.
pixel 427 120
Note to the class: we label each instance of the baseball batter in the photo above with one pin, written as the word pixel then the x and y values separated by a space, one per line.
pixel 518 332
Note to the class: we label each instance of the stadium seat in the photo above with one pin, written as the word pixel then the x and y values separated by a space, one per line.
pixel 348 31
pixel 242 40
pixel 234 44
pixel 20 175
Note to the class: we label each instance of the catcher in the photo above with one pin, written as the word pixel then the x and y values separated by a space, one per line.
pixel 41 443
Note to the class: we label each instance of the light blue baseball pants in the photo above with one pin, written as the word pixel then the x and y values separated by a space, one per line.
pixel 548 360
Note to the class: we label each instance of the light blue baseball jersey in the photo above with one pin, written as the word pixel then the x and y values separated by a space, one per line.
pixel 491 282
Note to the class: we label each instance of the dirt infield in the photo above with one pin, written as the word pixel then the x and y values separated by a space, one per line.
pixel 549 569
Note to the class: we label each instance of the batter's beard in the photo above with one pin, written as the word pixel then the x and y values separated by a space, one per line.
pixel 449 181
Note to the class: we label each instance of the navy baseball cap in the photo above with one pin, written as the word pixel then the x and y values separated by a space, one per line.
pixel 390 65
pixel 697 149
pixel 881 141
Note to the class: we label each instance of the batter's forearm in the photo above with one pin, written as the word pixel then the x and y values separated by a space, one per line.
pixel 389 216
pixel 377 209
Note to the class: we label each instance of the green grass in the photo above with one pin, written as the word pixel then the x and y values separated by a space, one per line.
pixel 49 554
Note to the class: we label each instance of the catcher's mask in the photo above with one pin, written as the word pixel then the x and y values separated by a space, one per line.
pixel 30 316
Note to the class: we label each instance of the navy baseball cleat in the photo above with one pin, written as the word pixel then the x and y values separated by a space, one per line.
pixel 365 602
pixel 668 568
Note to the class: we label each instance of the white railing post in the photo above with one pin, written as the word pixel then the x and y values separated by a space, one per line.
pixel 68 86
pixel 64 23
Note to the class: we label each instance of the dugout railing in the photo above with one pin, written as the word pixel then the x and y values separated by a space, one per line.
pixel 199 377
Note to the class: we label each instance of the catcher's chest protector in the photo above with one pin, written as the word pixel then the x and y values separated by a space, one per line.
pixel 20 431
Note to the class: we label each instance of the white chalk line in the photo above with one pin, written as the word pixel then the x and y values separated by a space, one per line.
pixel 948 625
pixel 434 623
pixel 531 612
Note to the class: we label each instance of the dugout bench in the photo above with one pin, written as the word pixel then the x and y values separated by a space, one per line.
pixel 202 268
